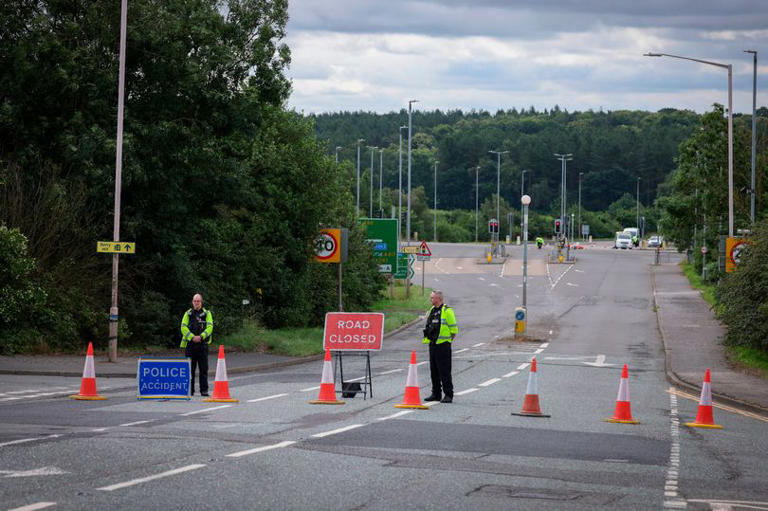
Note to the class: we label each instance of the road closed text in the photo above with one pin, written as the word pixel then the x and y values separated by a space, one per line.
pixel 353 331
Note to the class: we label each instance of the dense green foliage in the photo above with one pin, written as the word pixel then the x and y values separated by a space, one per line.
pixel 223 190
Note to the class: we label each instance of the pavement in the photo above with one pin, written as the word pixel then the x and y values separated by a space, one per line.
pixel 689 331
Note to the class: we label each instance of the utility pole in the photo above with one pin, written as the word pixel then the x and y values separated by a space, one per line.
pixel 381 179
pixel 410 132
pixel 400 187
pixel 522 192
pixel 477 197
pixel 498 185
pixel 434 227
pixel 637 208
pixel 370 205
pixel 357 210
pixel 754 131
pixel 563 158
pixel 581 233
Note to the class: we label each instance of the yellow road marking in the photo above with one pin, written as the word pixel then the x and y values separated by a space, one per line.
pixel 717 405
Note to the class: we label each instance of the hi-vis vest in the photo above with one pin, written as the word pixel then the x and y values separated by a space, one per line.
pixel 203 329
pixel 448 325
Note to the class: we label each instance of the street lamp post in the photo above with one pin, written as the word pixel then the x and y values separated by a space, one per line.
pixel 410 132
pixel 525 200
pixel 581 233
pixel 400 186
pixel 381 179
pixel 729 67
pixel 563 158
pixel 370 204
pixel 434 225
pixel 637 208
pixel 477 198
pixel 754 131
pixel 357 210
pixel 498 183
pixel 522 192
pixel 338 148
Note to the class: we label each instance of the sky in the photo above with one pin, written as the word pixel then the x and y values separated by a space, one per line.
pixel 375 55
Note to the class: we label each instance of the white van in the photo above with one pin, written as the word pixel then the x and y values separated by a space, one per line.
pixel 623 241
pixel 633 233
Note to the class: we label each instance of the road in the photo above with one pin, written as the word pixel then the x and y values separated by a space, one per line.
pixel 273 450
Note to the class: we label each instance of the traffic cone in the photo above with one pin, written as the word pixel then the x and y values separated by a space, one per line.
pixel 622 414
pixel 327 394
pixel 531 401
pixel 221 384
pixel 88 383
pixel 704 414
pixel 412 398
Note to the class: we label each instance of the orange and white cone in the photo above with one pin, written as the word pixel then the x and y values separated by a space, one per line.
pixel 531 401
pixel 221 383
pixel 327 394
pixel 704 414
pixel 412 398
pixel 88 384
pixel 622 414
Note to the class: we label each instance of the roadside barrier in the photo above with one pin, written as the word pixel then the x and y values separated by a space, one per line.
pixel 327 394
pixel 88 383
pixel 412 398
pixel 531 401
pixel 622 414
pixel 221 384
pixel 704 417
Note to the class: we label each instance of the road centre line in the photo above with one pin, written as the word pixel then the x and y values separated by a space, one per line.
pixel 468 391
pixel 395 415
pixel 340 430
pixel 522 366
pixel 99 430
pixel 265 398
pixel 489 382
pixel 717 405
pixel 33 507
pixel 205 410
pixel 263 448
pixel 310 389
pixel 25 440
pixel 134 482
pixel 508 375
pixel 461 350
pixel 390 371
pixel 133 424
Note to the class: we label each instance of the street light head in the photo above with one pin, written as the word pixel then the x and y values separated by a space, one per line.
pixel 751 51
pixel 525 199
pixel 649 54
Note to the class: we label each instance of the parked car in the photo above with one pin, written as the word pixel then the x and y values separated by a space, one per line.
pixel 655 241
pixel 623 241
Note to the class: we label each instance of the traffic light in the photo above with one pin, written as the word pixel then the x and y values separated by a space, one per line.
pixel 557 226
pixel 493 226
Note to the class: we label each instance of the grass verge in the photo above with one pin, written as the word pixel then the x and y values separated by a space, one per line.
pixel 694 277
pixel 754 360
pixel 300 342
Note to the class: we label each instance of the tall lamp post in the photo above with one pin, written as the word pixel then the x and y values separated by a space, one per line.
pixel 525 200
pixel 477 198
pixel 381 179
pixel 370 205
pixel 434 225
pixel 498 182
pixel 400 186
pixel 522 192
pixel 357 211
pixel 580 229
pixel 729 67
pixel 637 208
pixel 563 158
pixel 410 132
pixel 754 131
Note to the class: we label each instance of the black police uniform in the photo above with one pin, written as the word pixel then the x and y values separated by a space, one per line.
pixel 197 352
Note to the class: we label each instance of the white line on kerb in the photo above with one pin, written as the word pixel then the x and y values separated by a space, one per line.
pixel 522 366
pixel 265 398
pixel 394 415
pixel 509 374
pixel 134 482
pixel 261 449
pixel 473 389
pixel 205 410
pixel 489 382
pixel 25 440
pixel 133 424
pixel 33 507
pixel 340 430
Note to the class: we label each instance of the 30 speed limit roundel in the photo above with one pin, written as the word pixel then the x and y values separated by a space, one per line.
pixel 328 246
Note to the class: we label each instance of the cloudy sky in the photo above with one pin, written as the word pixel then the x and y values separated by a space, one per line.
pixel 375 55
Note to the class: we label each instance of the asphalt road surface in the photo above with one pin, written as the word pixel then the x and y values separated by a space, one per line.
pixel 273 450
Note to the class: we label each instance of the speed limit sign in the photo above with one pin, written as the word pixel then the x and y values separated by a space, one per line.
pixel 703 250
pixel 330 246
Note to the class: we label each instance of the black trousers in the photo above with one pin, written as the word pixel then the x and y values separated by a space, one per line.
pixel 197 352
pixel 440 368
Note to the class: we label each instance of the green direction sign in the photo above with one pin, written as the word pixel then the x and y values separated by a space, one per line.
pixel 381 234
pixel 402 266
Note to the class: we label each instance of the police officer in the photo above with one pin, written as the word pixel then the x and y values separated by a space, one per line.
pixel 196 335
pixel 439 333
pixel 539 241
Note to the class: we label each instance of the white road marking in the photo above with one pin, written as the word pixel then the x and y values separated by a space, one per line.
pixel 141 480
pixel 310 389
pixel 34 507
pixel 459 267
pixel 489 382
pixel 99 430
pixel 599 362
pixel 572 285
pixel 25 440
pixel 44 471
pixel 670 488
pixel 480 278
pixel 133 424
pixel 265 398
pixel 422 363
pixel 522 366
pixel 508 375
pixel 390 372
pixel 340 430
pixel 205 410
pixel 544 344
pixel 461 350
pixel 538 351
pixel 478 344
pixel 579 271
pixel 468 391
pixel 493 285
pixel 261 449
pixel 394 415
pixel 558 278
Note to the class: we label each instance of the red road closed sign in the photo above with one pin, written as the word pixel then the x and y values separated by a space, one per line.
pixel 353 331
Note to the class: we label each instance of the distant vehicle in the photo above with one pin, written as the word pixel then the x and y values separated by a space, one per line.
pixel 655 241
pixel 623 241
pixel 632 231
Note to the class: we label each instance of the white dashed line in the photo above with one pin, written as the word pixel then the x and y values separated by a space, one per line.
pixel 480 278
pixel 545 345
pixel 25 440
pixel 490 382
pixel 265 398
pixel 390 372
pixel 478 344
pixel 206 410
pixel 422 363
pixel 539 351
pixel 395 415
pixel 133 424
pixel 508 375
pixel 468 391
pixel 261 449
pixel 340 430
pixel 310 389
pixel 522 366
pixel 461 350
pixel 99 430
pixel 33 507
pixel 150 478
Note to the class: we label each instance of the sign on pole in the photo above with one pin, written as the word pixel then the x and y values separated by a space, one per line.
pixel 381 234
pixel 349 331
pixel 163 378
pixel 116 247
pixel 331 246
pixel 734 247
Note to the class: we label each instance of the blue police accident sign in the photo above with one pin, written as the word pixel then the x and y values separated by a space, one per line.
pixel 163 378
pixel 519 315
